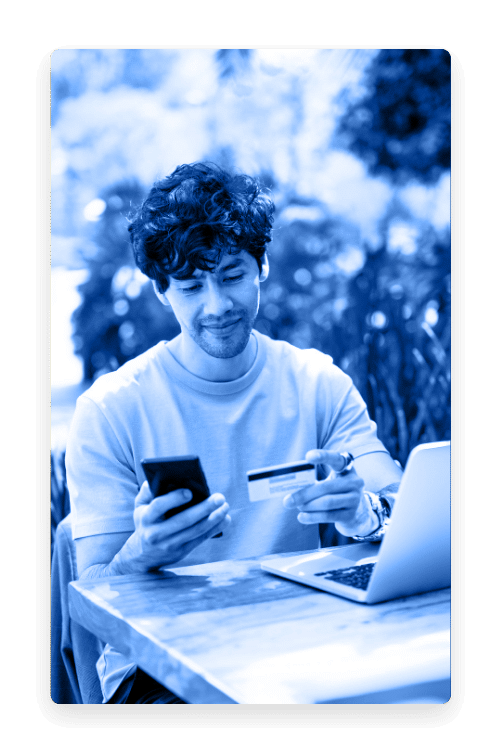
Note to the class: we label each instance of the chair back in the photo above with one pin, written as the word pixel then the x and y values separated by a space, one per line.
pixel 74 651
pixel 59 497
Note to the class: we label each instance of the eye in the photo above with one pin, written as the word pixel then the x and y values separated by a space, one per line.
pixel 191 289
pixel 234 278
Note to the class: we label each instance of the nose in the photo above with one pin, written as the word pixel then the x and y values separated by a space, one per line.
pixel 217 301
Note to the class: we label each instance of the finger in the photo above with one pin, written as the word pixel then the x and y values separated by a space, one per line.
pixel 335 460
pixel 144 496
pixel 208 527
pixel 160 505
pixel 218 515
pixel 205 528
pixel 346 483
pixel 338 516
pixel 188 546
pixel 193 515
pixel 343 501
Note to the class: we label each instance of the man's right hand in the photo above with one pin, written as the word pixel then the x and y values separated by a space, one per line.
pixel 156 541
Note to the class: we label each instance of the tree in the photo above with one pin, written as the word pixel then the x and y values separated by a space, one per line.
pixel 232 62
pixel 401 126
pixel 120 316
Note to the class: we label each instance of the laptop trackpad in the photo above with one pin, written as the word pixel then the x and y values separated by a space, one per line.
pixel 338 557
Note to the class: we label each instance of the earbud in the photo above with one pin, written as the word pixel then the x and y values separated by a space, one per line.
pixel 265 270
pixel 160 296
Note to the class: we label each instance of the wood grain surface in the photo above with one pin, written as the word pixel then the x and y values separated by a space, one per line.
pixel 229 632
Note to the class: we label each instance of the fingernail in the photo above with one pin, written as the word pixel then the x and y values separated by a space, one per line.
pixel 288 502
pixel 218 500
pixel 187 494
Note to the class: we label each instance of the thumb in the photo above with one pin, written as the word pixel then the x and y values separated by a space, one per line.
pixel 144 496
pixel 335 460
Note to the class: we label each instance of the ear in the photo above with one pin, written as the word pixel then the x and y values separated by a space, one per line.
pixel 160 296
pixel 265 268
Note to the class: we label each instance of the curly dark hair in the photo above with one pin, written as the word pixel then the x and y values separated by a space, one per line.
pixel 193 217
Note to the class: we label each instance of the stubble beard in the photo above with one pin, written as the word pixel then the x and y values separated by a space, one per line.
pixel 224 348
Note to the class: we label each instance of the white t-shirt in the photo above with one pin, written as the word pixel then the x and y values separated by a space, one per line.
pixel 289 402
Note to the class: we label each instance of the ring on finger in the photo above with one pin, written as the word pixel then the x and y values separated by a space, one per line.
pixel 348 466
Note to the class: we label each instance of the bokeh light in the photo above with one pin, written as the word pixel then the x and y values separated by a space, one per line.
pixel 360 257
pixel 94 210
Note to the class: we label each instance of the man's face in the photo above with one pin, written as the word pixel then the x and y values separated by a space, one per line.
pixel 217 310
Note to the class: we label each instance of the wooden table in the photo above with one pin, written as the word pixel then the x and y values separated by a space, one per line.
pixel 229 632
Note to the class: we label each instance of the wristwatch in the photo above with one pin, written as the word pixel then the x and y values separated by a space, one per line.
pixel 382 511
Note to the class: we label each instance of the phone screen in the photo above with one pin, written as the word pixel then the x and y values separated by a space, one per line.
pixel 165 474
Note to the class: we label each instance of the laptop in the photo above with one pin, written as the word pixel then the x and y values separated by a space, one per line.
pixel 414 555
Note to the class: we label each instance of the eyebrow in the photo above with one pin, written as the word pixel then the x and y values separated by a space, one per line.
pixel 234 264
pixel 230 266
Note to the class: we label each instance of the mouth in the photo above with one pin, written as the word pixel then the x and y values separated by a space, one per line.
pixel 224 329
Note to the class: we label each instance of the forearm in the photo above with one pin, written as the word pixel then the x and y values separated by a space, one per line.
pixel 366 520
pixel 98 571
pixel 126 561
pixel 369 521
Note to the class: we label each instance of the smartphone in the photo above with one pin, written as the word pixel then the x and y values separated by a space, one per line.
pixel 165 474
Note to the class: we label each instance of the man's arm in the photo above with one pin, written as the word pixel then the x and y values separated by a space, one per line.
pixel 377 470
pixel 156 542
pixel 380 474
pixel 95 554
pixel 341 499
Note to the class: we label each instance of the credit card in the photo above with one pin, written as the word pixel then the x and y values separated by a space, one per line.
pixel 271 482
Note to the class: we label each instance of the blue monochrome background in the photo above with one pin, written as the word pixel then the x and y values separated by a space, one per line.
pixel 355 147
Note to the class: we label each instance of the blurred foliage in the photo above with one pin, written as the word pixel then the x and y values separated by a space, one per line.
pixel 382 310
pixel 401 126
pixel 232 62
pixel 387 324
pixel 120 316
pixel 383 315
pixel 101 69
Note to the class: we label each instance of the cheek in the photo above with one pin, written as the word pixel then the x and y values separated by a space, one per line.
pixel 249 294
pixel 190 313
pixel 183 310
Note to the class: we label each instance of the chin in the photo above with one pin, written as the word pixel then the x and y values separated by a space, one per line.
pixel 223 348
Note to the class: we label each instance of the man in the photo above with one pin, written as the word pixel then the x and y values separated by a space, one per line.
pixel 224 392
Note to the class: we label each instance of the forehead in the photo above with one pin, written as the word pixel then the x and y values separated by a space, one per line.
pixel 226 263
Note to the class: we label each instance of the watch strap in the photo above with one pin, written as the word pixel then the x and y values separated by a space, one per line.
pixel 382 510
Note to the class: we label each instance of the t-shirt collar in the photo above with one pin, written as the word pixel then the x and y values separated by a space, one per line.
pixel 178 372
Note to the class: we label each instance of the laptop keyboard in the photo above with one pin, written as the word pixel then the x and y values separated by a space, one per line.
pixel 358 576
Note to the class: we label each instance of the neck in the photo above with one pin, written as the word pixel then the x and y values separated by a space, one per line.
pixel 218 370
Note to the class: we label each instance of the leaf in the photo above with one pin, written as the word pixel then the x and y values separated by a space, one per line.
pixel 232 62
pixel 439 351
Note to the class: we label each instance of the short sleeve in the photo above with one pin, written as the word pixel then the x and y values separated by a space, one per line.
pixel 350 427
pixel 101 481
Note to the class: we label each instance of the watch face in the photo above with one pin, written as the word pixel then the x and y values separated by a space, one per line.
pixel 382 509
pixel 385 507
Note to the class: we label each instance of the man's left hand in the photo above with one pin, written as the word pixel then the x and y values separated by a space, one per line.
pixel 339 499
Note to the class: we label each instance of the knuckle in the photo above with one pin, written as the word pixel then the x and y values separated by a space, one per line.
pixel 158 504
pixel 148 535
pixel 138 514
pixel 299 498
pixel 139 498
